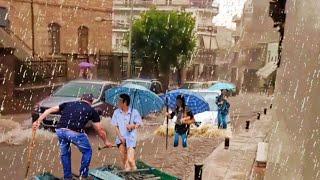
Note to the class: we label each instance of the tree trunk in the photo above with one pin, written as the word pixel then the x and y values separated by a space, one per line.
pixel 147 69
pixel 164 79
pixel 181 76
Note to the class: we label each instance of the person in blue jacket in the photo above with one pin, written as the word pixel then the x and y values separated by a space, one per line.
pixel 223 109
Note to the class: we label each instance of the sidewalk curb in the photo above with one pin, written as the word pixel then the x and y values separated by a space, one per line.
pixel 238 160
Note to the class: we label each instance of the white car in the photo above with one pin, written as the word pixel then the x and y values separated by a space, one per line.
pixel 208 117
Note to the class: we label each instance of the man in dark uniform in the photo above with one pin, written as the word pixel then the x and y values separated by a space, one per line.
pixel 70 129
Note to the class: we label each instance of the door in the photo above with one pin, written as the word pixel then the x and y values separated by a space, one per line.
pixel 106 108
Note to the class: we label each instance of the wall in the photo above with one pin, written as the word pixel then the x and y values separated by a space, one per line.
pixel 295 142
pixel 7 66
pixel 70 15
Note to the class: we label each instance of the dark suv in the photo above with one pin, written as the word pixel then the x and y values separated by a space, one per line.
pixel 152 84
pixel 71 91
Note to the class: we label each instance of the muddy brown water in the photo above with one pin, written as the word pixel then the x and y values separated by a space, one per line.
pixel 151 148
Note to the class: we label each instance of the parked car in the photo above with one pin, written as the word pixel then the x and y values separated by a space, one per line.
pixel 72 91
pixel 195 85
pixel 152 84
pixel 208 117
pixel 211 83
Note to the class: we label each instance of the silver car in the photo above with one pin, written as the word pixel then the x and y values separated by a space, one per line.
pixel 72 91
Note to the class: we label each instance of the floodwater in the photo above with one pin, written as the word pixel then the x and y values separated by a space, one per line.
pixel 14 140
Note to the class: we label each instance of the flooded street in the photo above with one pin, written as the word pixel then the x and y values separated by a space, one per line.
pixel 151 147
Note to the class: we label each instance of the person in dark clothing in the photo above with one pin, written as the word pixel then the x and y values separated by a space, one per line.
pixel 70 129
pixel 184 120
pixel 223 110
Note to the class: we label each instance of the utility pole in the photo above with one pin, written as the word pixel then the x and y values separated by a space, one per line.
pixel 32 27
pixel 130 41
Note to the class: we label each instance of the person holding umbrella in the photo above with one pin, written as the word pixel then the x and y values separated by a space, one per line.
pixel 184 120
pixel 185 104
pixel 126 121
pixel 85 70
pixel 223 109
pixel 70 129
pixel 133 101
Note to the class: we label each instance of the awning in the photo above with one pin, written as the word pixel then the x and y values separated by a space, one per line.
pixel 267 69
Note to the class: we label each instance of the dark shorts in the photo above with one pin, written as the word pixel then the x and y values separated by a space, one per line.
pixel 118 145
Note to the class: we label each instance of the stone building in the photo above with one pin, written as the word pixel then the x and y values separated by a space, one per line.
pixel 255 44
pixel 295 138
pixel 42 42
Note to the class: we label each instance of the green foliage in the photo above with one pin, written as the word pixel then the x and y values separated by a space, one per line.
pixel 164 39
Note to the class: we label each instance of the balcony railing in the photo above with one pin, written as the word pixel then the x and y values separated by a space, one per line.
pixel 50 69
pixel 136 2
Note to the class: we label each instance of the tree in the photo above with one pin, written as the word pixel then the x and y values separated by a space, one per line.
pixel 162 40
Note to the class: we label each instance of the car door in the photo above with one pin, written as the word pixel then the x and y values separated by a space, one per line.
pixel 205 86
pixel 153 87
pixel 159 88
pixel 106 108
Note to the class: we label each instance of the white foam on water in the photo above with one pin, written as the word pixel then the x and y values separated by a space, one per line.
pixel 20 136
pixel 108 127
pixel 8 124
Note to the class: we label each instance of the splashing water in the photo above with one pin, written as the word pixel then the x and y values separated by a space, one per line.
pixel 20 136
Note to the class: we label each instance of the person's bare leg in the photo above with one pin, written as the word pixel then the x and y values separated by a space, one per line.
pixel 123 153
pixel 131 159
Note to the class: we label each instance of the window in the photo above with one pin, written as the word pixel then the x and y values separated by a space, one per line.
pixel 248 7
pixel 119 42
pixel 269 56
pixel 158 87
pixel 54 38
pixel 83 39
pixel 3 17
pixel 168 2
pixel 154 88
pixel 1 78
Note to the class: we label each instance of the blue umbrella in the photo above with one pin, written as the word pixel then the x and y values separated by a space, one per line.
pixel 142 99
pixel 194 101
pixel 223 85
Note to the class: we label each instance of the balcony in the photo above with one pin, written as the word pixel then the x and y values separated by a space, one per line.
pixel 206 28
pixel 137 3
pixel 119 25
pixel 201 3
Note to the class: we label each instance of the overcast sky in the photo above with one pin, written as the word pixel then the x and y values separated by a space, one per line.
pixel 227 9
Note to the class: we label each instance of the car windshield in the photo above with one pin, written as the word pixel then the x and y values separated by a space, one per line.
pixel 191 86
pixel 210 97
pixel 77 89
pixel 141 83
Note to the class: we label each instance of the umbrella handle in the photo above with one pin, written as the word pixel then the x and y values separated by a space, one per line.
pixel 31 146
pixel 134 96
pixel 167 131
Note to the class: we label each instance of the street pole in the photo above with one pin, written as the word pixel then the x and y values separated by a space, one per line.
pixel 210 53
pixel 130 41
pixel 210 37
pixel 32 27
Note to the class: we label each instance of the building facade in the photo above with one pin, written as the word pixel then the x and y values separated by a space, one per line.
pixel 42 43
pixel 57 29
pixel 295 138
pixel 202 10
pixel 255 40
